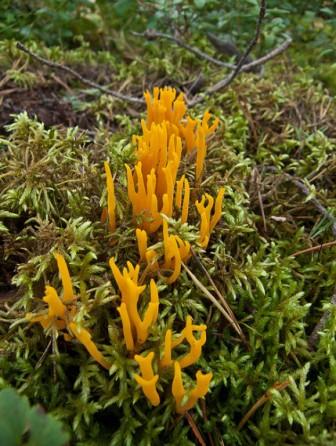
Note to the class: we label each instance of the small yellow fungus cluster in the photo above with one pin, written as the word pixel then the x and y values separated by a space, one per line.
pixel 62 312
pixel 208 222
pixel 175 249
pixel 148 381
pixel 195 344
pixel 153 188
pixel 135 329
pixel 199 391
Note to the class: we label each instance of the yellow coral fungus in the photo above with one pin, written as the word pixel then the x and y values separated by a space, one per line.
pixel 68 294
pixel 187 334
pixel 179 393
pixel 142 242
pixel 61 313
pixel 166 360
pixel 130 293
pixel 127 329
pixel 208 222
pixel 152 184
pixel 165 106
pixel 111 200
pixel 148 380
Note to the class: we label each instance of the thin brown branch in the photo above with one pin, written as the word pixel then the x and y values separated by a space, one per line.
pixel 226 306
pixel 261 401
pixel 314 248
pixel 224 312
pixel 195 429
pixel 262 12
pixel 151 34
pixel 238 68
pixel 313 338
pixel 256 180
pixel 74 73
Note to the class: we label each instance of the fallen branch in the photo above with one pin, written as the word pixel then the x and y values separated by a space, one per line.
pixel 225 82
pixel 313 338
pixel 151 34
pixel 195 429
pixel 238 68
pixel 74 73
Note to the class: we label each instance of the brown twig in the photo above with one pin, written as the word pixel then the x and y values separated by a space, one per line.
pixel 74 73
pixel 314 248
pixel 261 401
pixel 195 429
pixel 218 293
pixel 151 34
pixel 232 321
pixel 315 334
pixel 262 11
pixel 238 68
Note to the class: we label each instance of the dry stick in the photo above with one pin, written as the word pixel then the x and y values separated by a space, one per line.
pixel 228 79
pixel 74 73
pixel 207 293
pixel 195 429
pixel 261 401
pixel 150 34
pixel 313 338
pixel 314 248
pixel 220 296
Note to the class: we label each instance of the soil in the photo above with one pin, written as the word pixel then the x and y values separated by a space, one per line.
pixel 43 102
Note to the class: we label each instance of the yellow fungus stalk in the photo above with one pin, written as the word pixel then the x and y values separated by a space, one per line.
pixel 208 222
pixel 127 329
pixel 142 238
pixel 218 209
pixel 166 360
pixel 149 388
pixel 134 326
pixel 199 391
pixel 111 200
pixel 55 304
pixel 200 154
pixel 185 205
pixel 84 337
pixel 195 351
pixel 68 294
pixel 148 380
